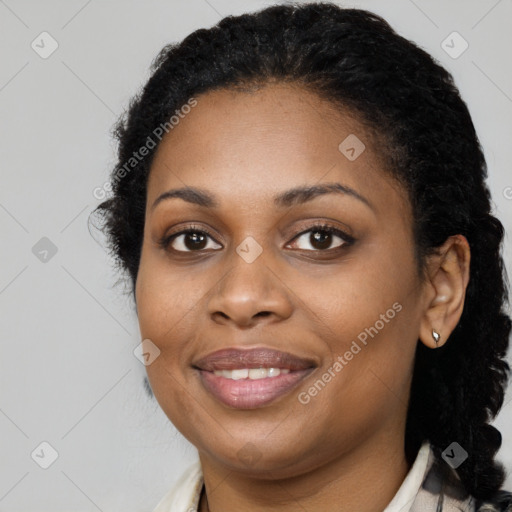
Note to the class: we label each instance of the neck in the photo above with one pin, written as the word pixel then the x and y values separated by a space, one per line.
pixel 366 479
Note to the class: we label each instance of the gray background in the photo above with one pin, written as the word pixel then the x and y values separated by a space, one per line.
pixel 68 375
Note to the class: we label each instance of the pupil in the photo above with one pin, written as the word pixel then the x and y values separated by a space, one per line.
pixel 321 241
pixel 198 241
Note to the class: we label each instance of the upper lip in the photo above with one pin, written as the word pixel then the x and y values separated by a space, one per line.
pixel 232 359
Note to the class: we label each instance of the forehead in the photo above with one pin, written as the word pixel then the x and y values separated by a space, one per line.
pixel 251 145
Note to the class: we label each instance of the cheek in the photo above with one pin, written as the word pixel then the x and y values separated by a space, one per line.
pixel 166 301
pixel 371 321
pixel 366 380
pixel 167 305
pixel 373 293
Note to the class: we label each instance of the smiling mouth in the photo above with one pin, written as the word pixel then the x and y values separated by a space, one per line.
pixel 251 378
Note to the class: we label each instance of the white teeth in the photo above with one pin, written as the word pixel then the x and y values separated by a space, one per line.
pixel 258 373
pixel 239 374
pixel 251 373
pixel 274 372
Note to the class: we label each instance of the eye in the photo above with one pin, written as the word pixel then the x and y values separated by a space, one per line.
pixel 320 238
pixel 190 240
pixel 323 238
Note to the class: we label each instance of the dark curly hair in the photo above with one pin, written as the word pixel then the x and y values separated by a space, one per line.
pixel 425 134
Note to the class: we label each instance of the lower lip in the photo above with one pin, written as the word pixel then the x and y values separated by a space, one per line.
pixel 250 394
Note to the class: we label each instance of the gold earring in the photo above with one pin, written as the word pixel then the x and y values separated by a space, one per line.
pixel 436 336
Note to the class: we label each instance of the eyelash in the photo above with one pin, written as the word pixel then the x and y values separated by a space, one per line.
pixel 325 228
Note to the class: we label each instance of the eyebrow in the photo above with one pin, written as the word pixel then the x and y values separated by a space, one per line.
pixel 294 196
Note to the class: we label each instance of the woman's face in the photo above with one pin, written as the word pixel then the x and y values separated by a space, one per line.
pixel 255 272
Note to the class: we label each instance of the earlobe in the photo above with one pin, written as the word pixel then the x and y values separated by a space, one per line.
pixel 448 277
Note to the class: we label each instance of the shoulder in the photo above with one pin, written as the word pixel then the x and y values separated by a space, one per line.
pixel 184 496
pixel 500 502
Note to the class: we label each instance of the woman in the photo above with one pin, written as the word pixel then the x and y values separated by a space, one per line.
pixel 300 204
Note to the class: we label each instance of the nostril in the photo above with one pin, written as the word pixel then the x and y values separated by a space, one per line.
pixel 221 314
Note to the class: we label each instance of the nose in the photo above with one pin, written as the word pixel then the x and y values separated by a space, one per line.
pixel 250 293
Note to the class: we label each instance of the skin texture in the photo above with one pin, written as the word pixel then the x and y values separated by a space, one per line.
pixel 244 148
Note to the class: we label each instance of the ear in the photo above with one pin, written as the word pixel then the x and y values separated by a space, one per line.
pixel 445 290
